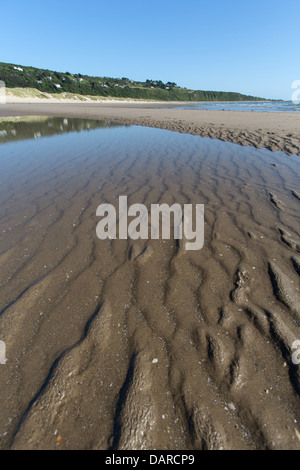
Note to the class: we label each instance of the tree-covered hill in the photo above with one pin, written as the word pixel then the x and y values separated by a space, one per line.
pixel 58 82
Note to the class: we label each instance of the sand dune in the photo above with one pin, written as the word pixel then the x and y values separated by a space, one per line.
pixel 123 344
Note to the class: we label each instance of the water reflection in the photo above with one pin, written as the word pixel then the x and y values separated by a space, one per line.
pixel 29 127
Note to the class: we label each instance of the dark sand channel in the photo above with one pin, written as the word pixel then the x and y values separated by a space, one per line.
pixel 127 344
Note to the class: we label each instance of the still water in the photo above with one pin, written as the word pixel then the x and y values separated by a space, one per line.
pixel 97 330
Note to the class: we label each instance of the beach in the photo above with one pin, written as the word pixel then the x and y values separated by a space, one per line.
pixel 150 229
pixel 274 131
pixel 141 344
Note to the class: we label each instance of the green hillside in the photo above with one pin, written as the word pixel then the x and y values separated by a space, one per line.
pixel 58 82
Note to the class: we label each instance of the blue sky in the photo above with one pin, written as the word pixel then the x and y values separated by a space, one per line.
pixel 247 46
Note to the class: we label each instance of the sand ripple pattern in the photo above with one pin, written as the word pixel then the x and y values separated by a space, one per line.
pixel 140 344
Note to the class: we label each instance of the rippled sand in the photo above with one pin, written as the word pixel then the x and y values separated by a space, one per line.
pixel 140 344
pixel 271 130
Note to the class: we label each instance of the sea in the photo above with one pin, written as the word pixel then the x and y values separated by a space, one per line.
pixel 263 106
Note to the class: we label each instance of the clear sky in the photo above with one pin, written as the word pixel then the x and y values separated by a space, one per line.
pixel 250 47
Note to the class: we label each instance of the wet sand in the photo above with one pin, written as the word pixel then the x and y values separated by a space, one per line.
pixel 274 131
pixel 126 344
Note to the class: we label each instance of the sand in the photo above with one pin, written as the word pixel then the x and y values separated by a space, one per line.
pixel 32 95
pixel 141 344
pixel 274 131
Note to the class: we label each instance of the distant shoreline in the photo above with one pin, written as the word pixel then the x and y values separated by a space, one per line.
pixel 271 130
pixel 33 95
